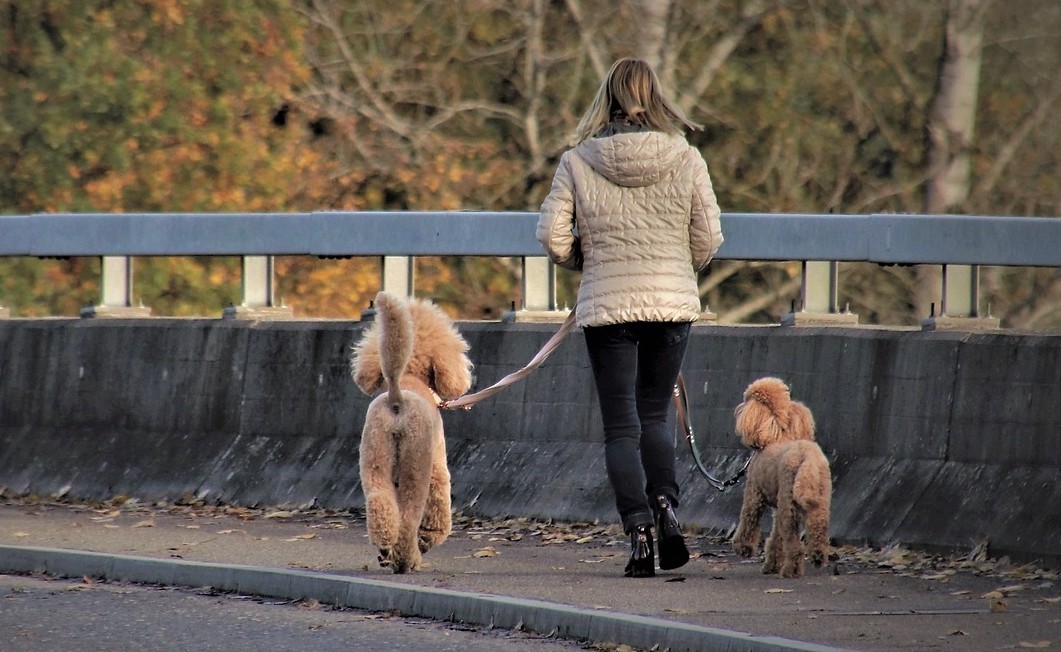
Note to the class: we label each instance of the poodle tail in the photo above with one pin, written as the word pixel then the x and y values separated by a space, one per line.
pixel 813 482
pixel 396 343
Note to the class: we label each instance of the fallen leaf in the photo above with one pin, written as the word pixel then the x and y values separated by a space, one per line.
pixel 778 591
pixel 280 514
pixel 226 531
pixel 488 551
pixel 21 535
pixel 1013 588
pixel 1034 645
pixel 935 576
pixel 584 540
pixel 144 524
pixel 303 537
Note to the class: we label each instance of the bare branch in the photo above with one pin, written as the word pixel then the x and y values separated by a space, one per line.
pixel 751 13
pixel 1046 108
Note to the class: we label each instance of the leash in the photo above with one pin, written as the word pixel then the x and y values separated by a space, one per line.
pixel 468 400
pixel 681 401
pixel 681 405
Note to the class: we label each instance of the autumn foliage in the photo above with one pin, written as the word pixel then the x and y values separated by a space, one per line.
pixel 297 105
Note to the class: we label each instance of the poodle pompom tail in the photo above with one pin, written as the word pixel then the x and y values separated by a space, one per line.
pixel 396 342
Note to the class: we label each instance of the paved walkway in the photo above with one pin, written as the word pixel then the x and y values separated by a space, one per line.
pixel 547 577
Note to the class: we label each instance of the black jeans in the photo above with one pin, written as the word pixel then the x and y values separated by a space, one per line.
pixel 635 366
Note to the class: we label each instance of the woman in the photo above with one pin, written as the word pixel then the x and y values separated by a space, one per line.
pixel 632 207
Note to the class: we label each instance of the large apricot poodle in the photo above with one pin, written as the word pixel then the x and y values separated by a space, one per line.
pixel 415 355
pixel 788 473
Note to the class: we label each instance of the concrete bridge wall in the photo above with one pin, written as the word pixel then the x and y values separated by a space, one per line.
pixel 937 439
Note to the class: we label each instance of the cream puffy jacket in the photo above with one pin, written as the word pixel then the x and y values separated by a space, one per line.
pixel 637 214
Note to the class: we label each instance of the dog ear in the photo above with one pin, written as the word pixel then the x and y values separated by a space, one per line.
pixel 365 363
pixel 452 373
pixel 801 422
pixel 441 352
pixel 757 425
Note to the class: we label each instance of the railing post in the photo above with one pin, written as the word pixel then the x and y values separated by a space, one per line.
pixel 819 291
pixel 116 290
pixel 538 284
pixel 959 305
pixel 257 289
pixel 398 275
pixel 538 289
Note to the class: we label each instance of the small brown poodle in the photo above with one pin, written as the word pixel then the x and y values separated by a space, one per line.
pixel 414 353
pixel 788 473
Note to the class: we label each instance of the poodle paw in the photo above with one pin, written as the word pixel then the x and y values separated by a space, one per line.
pixel 818 558
pixel 402 566
pixel 385 557
pixel 790 570
pixel 428 539
pixel 743 549
pixel 769 569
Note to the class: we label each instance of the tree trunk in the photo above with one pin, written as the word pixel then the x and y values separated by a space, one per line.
pixel 652 36
pixel 951 119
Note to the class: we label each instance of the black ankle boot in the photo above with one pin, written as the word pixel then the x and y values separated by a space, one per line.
pixel 642 557
pixel 672 550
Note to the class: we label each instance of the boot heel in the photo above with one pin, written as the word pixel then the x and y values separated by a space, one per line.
pixel 642 557
pixel 672 550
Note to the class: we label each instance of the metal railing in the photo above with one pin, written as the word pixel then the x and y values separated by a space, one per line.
pixel 958 243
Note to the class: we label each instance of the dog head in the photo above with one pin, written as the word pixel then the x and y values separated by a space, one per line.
pixel 438 355
pixel 769 415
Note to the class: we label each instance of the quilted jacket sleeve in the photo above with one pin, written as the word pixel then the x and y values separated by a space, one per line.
pixel 556 223
pixel 705 229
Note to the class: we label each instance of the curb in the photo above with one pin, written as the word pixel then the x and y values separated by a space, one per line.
pixel 482 609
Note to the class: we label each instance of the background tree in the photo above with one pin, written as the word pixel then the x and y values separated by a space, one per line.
pixel 808 106
pixel 150 106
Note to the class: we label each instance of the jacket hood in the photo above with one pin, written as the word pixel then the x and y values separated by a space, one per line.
pixel 634 159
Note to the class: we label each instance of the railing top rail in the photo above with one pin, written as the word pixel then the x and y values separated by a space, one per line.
pixel 881 238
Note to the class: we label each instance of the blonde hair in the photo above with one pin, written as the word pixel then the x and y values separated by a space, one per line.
pixel 631 87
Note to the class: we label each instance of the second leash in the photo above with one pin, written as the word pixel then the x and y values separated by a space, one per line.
pixel 681 404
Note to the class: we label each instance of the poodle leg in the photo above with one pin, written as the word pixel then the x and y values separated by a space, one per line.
pixel 414 481
pixel 773 549
pixel 381 500
pixel 791 548
pixel 438 516
pixel 818 535
pixel 749 530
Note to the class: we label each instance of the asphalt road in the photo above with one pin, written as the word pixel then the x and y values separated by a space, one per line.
pixel 47 615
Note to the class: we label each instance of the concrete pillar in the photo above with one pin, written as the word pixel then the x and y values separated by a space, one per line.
pixel 257 290
pixel 538 287
pixel 819 289
pixel 959 307
pixel 398 275
pixel 116 290
pixel 538 284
